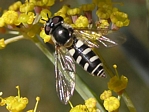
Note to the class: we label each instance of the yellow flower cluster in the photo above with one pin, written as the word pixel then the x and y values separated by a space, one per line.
pixel 119 19
pixel 111 103
pixel 81 22
pixel 16 103
pixel 89 106
pixel 19 13
pixel 117 85
pixel 28 19
pixel 23 17
pixel 9 17
pixel 106 11
pixel 108 15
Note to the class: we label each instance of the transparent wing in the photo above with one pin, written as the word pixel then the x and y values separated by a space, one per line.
pixel 98 38
pixel 65 75
pixel 112 39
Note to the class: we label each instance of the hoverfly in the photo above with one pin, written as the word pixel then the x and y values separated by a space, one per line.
pixel 70 46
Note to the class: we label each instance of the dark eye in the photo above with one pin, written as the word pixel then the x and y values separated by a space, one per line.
pixel 47 30
pixel 57 19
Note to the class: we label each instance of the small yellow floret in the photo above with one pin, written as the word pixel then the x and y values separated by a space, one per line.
pixel 44 36
pixel 104 9
pixel 82 22
pixel 23 18
pixel 73 12
pixel 17 103
pixel 114 66
pixel 31 17
pixel 103 13
pixel 2 22
pixel 2 43
pixel 79 108
pixel 118 84
pixel 10 17
pixel 63 10
pixel 111 104
pixel 120 19
pixel 48 2
pixel 68 20
pixel 106 94
pixel 27 7
pixel 90 103
pixel 87 7
pixel 44 2
pixel 15 6
pixel 103 24
pixel 26 18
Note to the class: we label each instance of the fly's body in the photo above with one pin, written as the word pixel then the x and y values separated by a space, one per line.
pixel 70 46
pixel 63 35
pixel 85 57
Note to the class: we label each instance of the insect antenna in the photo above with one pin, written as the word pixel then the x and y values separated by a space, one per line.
pixel 48 16
pixel 45 19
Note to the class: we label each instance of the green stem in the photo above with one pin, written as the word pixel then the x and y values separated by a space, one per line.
pixel 128 102
pixel 80 87
pixel 14 39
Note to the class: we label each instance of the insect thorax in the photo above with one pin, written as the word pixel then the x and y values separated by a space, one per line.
pixel 63 36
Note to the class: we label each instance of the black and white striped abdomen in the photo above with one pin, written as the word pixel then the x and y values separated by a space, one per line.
pixel 85 57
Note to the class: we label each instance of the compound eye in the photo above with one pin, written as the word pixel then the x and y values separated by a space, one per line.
pixel 47 30
pixel 57 19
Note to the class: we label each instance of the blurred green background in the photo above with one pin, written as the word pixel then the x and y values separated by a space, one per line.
pixel 23 64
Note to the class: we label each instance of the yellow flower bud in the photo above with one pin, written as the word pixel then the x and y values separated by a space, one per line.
pixel 79 108
pixel 111 104
pixel 2 22
pixel 23 18
pixel 106 94
pixel 2 43
pixel 116 83
pixel 73 12
pixel 10 17
pixel 28 6
pixel 82 22
pixel 44 36
pixel 68 20
pixel 90 103
pixel 88 7
pixel 17 103
pixel 31 17
pixel 15 6
pixel 103 24
pixel 120 19
pixel 64 9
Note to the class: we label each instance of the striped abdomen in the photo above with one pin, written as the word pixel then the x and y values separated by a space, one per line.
pixel 85 57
